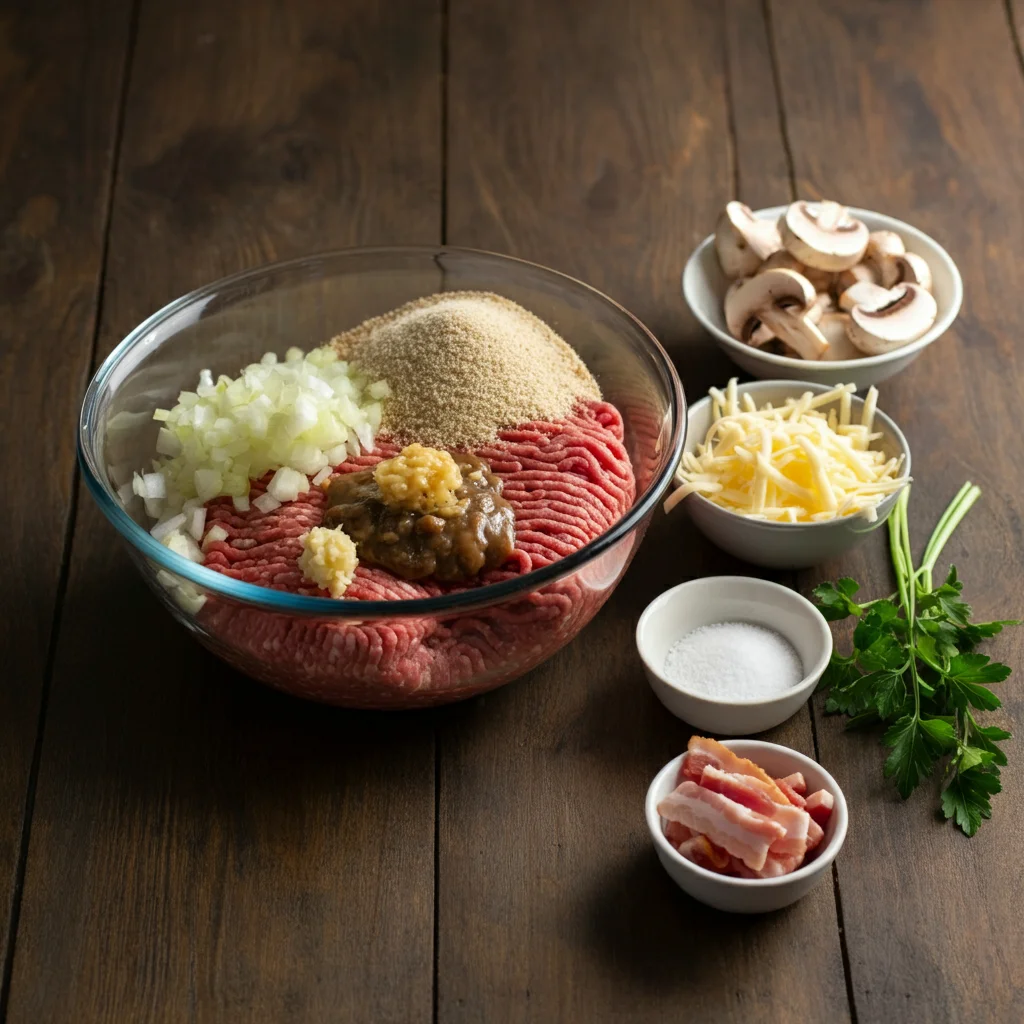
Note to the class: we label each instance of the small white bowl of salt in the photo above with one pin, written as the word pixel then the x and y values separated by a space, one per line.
pixel 733 655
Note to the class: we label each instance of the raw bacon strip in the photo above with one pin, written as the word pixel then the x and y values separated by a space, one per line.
pixel 796 782
pixel 796 822
pixel 774 866
pixel 815 834
pixel 740 788
pixel 702 851
pixel 726 823
pixel 693 767
pixel 791 794
pixel 722 757
pixel 819 805
pixel 677 833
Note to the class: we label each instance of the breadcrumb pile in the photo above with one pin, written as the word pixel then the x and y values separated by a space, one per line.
pixel 464 365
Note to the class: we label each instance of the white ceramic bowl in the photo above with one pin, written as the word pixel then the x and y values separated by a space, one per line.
pixel 704 287
pixel 786 545
pixel 750 895
pixel 713 599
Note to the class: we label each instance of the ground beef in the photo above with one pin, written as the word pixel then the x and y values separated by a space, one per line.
pixel 567 481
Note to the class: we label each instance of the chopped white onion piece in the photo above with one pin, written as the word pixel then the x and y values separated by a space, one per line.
pixel 155 484
pixel 266 503
pixel 287 484
pixel 197 523
pixel 214 534
pixel 126 492
pixel 321 476
pixel 241 502
pixel 162 529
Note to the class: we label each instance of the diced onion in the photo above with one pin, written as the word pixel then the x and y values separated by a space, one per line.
pixel 287 484
pixel 214 534
pixel 197 523
pixel 266 503
pixel 321 476
pixel 166 526
pixel 304 414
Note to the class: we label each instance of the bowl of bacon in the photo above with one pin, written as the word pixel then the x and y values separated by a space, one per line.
pixel 743 825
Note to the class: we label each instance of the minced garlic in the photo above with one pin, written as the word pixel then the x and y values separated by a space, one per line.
pixel 328 559
pixel 419 479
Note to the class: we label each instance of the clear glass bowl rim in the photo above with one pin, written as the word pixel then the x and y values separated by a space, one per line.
pixel 324 607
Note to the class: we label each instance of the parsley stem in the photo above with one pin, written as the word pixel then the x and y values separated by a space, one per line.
pixel 949 521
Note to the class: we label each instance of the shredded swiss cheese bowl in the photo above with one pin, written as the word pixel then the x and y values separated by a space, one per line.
pixel 796 463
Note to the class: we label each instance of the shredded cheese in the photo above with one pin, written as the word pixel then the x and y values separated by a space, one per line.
pixel 804 462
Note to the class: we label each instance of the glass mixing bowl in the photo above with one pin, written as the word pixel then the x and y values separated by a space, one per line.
pixel 375 654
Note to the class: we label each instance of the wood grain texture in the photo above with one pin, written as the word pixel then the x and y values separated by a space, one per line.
pixel 916 110
pixel 762 172
pixel 608 161
pixel 61 68
pixel 202 849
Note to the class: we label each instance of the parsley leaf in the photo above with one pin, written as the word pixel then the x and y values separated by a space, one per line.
pixel 966 798
pixel 911 759
pixel 836 599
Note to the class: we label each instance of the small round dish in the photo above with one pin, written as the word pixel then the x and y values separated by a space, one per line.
pixel 786 545
pixel 751 895
pixel 704 288
pixel 716 599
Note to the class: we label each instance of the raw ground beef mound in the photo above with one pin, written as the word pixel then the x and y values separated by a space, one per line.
pixel 568 482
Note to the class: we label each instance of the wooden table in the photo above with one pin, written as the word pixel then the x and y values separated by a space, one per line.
pixel 179 844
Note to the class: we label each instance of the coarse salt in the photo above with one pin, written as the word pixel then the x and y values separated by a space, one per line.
pixel 734 661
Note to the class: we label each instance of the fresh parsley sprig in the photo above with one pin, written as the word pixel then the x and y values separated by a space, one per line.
pixel 914 668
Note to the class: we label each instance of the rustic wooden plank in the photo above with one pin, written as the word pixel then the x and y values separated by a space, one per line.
pixel 61 71
pixel 916 110
pixel 609 161
pixel 762 172
pixel 203 849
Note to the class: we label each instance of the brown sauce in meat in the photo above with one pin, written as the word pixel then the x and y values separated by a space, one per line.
pixel 452 545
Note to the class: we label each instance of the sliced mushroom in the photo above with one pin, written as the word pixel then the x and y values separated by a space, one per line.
pixel 833 327
pixel 742 241
pixel 823 304
pixel 782 260
pixel 904 317
pixel 913 269
pixel 759 334
pixel 823 235
pixel 778 300
pixel 883 249
pixel 823 280
pixel 854 275
pixel 863 293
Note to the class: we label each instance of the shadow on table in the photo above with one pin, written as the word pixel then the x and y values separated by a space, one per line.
pixel 639 923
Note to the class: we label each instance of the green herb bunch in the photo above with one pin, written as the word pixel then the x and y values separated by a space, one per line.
pixel 914 668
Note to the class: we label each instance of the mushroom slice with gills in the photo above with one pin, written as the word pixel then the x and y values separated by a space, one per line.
pixel 759 334
pixel 833 327
pixel 778 300
pixel 823 235
pixel 742 241
pixel 856 274
pixel 863 293
pixel 913 269
pixel 880 255
pixel 904 318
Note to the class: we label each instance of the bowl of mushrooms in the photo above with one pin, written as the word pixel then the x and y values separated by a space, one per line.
pixel 821 292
